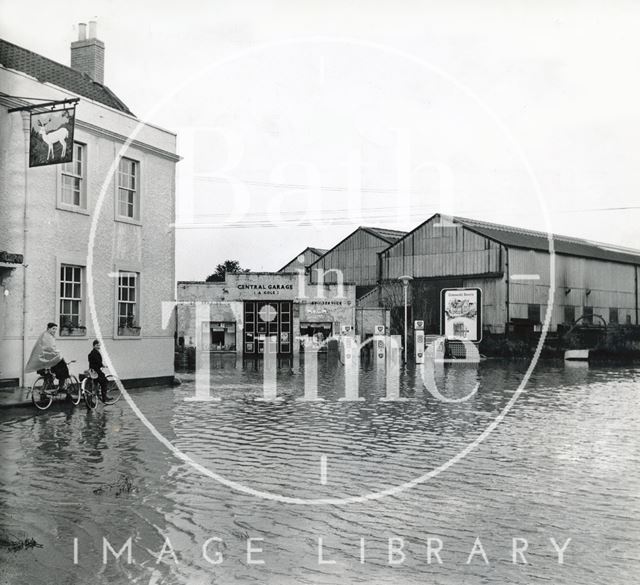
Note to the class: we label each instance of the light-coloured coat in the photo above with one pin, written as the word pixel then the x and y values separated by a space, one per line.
pixel 44 353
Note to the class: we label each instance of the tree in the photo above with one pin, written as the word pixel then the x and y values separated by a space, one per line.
pixel 222 269
pixel 392 299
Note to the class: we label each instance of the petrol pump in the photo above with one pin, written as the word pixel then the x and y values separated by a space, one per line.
pixel 379 344
pixel 418 327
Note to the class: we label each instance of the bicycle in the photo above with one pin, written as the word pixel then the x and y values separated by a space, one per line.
pixel 45 388
pixel 92 392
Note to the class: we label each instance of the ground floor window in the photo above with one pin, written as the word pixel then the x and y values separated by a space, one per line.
pixel 71 300
pixel 319 332
pixel 222 336
pixel 128 308
pixel 613 316
pixel 587 313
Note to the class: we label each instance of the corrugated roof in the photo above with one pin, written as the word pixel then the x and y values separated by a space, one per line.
pixel 529 239
pixel 48 71
pixel 318 251
pixel 516 237
pixel 390 236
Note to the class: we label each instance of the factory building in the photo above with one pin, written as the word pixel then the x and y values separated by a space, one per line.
pixel 357 286
pixel 512 267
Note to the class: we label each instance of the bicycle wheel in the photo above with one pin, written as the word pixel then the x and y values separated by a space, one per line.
pixel 113 391
pixel 73 389
pixel 40 397
pixel 89 391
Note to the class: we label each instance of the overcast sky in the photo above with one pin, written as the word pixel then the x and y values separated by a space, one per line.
pixel 299 121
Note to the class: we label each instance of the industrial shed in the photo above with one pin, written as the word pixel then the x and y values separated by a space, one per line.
pixel 355 258
pixel 593 281
pixel 308 256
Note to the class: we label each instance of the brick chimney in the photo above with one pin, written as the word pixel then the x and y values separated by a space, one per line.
pixel 87 53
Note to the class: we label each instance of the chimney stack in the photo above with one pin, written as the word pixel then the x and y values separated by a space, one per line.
pixel 87 54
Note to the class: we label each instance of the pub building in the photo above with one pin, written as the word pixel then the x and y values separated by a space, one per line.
pixel 247 308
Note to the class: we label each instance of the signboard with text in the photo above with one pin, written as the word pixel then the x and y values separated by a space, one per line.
pixel 461 313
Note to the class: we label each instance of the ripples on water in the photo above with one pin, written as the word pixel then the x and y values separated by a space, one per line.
pixel 564 463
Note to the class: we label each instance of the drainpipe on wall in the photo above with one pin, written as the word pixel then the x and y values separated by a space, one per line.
pixel 381 259
pixel 27 131
pixel 506 269
pixel 636 279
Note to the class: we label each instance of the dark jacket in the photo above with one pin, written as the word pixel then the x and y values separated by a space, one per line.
pixel 95 360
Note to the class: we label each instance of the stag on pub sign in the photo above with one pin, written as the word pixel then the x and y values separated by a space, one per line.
pixel 51 140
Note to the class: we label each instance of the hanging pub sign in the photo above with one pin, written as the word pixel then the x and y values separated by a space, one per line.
pixel 51 140
pixel 461 313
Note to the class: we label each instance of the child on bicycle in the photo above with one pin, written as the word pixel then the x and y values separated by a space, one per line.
pixel 95 364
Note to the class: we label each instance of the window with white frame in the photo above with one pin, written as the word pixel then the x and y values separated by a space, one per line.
pixel 73 186
pixel 129 188
pixel 128 308
pixel 71 299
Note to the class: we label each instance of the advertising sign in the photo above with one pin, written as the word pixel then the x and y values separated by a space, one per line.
pixel 51 140
pixel 461 313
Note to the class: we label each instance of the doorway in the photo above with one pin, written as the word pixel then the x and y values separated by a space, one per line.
pixel 263 319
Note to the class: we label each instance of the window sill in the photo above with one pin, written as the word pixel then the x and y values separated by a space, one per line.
pixel 128 333
pixel 75 332
pixel 72 208
pixel 128 220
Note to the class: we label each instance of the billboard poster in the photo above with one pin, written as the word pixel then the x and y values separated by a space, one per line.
pixel 461 313
pixel 51 139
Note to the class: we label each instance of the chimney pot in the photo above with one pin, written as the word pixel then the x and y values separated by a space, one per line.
pixel 87 54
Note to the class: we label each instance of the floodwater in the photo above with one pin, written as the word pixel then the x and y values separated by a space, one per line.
pixel 563 463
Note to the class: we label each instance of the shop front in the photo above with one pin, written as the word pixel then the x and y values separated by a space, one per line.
pixel 222 335
pixel 323 317
pixel 240 314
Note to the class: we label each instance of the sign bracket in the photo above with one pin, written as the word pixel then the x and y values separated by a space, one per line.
pixel 52 104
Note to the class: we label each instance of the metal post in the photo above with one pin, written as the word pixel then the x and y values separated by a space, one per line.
pixel 405 283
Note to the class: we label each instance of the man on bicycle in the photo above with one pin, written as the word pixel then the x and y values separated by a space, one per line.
pixel 95 364
pixel 45 355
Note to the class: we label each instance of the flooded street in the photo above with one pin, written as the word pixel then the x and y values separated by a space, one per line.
pixel 564 463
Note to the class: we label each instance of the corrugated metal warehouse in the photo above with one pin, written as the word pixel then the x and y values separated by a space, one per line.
pixel 355 257
pixel 512 267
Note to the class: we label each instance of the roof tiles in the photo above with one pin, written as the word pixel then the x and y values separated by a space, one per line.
pixel 48 71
